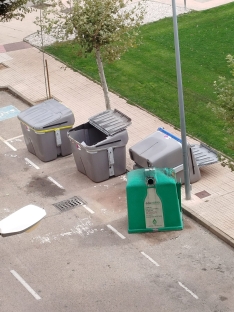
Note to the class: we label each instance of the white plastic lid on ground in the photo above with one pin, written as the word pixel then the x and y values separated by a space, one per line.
pixel 22 219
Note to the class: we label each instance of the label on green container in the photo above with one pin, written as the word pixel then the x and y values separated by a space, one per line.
pixel 153 210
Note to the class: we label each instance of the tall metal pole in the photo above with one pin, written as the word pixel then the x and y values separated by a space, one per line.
pixel 43 52
pixel 181 104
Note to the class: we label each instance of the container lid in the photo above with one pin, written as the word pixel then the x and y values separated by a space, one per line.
pixel 110 121
pixel 204 155
pixel 46 115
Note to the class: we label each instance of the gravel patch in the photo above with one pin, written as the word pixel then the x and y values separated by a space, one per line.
pixel 154 12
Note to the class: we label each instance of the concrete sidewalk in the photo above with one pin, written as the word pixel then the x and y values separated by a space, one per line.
pixel 21 67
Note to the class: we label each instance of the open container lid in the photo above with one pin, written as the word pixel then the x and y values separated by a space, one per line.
pixel 110 121
pixel 46 115
pixel 204 155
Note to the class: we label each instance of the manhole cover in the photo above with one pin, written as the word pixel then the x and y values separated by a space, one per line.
pixel 69 204
pixel 202 194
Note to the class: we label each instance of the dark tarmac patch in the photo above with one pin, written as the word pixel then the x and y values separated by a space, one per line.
pixel 222 298
pixel 44 187
pixel 109 194
pixel 188 223
pixel 160 237
pixel 219 269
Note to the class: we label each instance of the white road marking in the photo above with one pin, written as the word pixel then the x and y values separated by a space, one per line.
pixel 13 156
pixel 116 232
pixel 56 183
pixel 66 234
pixel 22 281
pixel 150 259
pixel 123 177
pixel 31 163
pixel 17 137
pixel 83 228
pixel 8 144
pixel 12 147
pixel 87 208
pixel 188 290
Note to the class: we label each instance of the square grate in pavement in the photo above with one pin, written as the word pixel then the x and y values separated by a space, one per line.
pixel 202 194
pixel 69 204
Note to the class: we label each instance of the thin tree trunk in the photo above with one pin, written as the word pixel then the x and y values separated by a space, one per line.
pixel 103 78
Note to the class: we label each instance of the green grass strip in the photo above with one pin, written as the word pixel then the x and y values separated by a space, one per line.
pixel 146 75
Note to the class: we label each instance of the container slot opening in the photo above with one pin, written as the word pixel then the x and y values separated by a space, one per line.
pixel 88 134
pixel 54 125
pixel 150 181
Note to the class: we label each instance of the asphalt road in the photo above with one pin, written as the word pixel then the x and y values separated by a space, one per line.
pixel 84 259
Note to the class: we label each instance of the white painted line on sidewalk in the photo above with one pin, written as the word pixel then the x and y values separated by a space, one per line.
pixel 150 259
pixel 116 232
pixel 31 163
pixel 17 137
pixel 22 281
pixel 56 183
pixel 188 290
pixel 87 208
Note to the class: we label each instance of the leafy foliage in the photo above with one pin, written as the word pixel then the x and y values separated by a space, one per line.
pixel 224 108
pixel 146 75
pixel 95 24
pixel 106 27
pixel 13 9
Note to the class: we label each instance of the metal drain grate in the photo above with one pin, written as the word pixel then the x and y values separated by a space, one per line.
pixel 69 204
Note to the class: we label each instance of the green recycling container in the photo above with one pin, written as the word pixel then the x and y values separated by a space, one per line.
pixel 153 200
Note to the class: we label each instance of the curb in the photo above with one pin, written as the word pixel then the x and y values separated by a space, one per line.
pixel 206 224
pixel 17 94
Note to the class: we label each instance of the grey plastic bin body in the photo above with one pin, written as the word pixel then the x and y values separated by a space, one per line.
pixel 162 151
pixel 45 129
pixel 98 154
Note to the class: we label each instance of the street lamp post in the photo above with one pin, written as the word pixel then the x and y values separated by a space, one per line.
pixel 181 105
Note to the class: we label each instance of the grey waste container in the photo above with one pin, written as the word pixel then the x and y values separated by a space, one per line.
pixel 162 149
pixel 99 146
pixel 45 127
